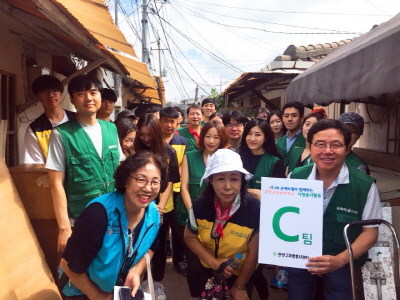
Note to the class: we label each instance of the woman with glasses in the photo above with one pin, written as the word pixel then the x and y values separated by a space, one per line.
pixel 212 138
pixel 149 138
pixel 115 231
pixel 274 120
pixel 126 135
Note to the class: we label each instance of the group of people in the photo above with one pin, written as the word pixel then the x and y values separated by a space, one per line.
pixel 119 188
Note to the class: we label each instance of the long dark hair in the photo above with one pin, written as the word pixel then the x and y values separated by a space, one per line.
pixel 157 141
pixel 269 141
pixel 279 114
pixel 220 130
pixel 124 127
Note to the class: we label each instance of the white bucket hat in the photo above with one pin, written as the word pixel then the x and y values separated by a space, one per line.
pixel 224 160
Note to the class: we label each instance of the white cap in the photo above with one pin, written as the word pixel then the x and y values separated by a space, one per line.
pixel 224 160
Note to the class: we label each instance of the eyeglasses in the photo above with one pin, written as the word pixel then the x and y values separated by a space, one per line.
pixel 333 145
pixel 49 91
pixel 237 125
pixel 142 182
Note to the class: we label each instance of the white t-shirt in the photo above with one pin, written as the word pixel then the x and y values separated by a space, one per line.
pixel 33 153
pixel 56 155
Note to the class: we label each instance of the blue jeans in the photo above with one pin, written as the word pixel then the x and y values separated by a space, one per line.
pixel 337 284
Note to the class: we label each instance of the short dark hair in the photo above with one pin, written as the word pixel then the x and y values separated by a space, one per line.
pixel 84 82
pixel 234 114
pixel 169 112
pixel 46 82
pixel 138 161
pixel 216 114
pixel 220 130
pixel 208 100
pixel 194 106
pixel 179 110
pixel 109 95
pixel 297 105
pixel 268 145
pixel 152 109
pixel 326 124
pixel 261 110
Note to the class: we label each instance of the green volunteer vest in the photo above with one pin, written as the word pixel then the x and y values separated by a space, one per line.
pixel 264 168
pixel 192 143
pixel 353 160
pixel 346 205
pixel 196 170
pixel 88 176
pixel 290 158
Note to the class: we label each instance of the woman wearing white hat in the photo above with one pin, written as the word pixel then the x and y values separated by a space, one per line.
pixel 224 221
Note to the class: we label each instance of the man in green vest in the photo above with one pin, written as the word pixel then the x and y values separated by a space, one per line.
pixel 349 195
pixel 292 144
pixel 356 126
pixel 192 131
pixel 209 107
pixel 83 156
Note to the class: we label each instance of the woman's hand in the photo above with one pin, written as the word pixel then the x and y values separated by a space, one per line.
pixel 63 237
pixel 133 281
pixel 238 294
pixel 227 272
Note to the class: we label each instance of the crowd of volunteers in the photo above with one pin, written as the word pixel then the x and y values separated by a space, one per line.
pixel 148 185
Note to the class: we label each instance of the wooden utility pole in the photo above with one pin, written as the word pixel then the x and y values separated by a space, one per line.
pixel 196 95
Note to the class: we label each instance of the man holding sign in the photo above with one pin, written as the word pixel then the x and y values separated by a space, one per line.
pixel 349 195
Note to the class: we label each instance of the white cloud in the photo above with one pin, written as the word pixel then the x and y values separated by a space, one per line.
pixel 244 48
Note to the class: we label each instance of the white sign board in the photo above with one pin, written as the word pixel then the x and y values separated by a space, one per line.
pixel 290 221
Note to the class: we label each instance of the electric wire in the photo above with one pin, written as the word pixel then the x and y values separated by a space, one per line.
pixel 290 12
pixel 269 31
pixel 258 21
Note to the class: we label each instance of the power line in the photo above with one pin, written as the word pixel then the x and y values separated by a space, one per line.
pixel 176 62
pixel 377 7
pixel 290 12
pixel 197 45
pixel 258 21
pixel 264 30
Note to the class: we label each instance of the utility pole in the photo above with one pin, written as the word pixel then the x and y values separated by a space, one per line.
pixel 116 13
pixel 196 94
pixel 145 21
pixel 159 55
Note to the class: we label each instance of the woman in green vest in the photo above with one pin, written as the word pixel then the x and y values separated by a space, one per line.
pixel 316 115
pixel 260 155
pixel 275 122
pixel 212 137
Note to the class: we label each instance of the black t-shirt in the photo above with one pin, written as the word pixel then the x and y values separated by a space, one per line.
pixel 173 166
pixel 87 237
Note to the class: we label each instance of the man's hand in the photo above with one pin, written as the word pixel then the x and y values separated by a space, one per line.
pixel 325 264
pixel 63 237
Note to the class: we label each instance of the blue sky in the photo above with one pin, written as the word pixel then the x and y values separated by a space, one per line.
pixel 210 43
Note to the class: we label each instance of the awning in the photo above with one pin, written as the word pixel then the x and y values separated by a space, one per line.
pixel 364 70
pixel 253 83
pixel 95 17
pixel 137 70
pixel 82 28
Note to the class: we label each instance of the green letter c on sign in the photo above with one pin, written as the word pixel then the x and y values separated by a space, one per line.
pixel 276 223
